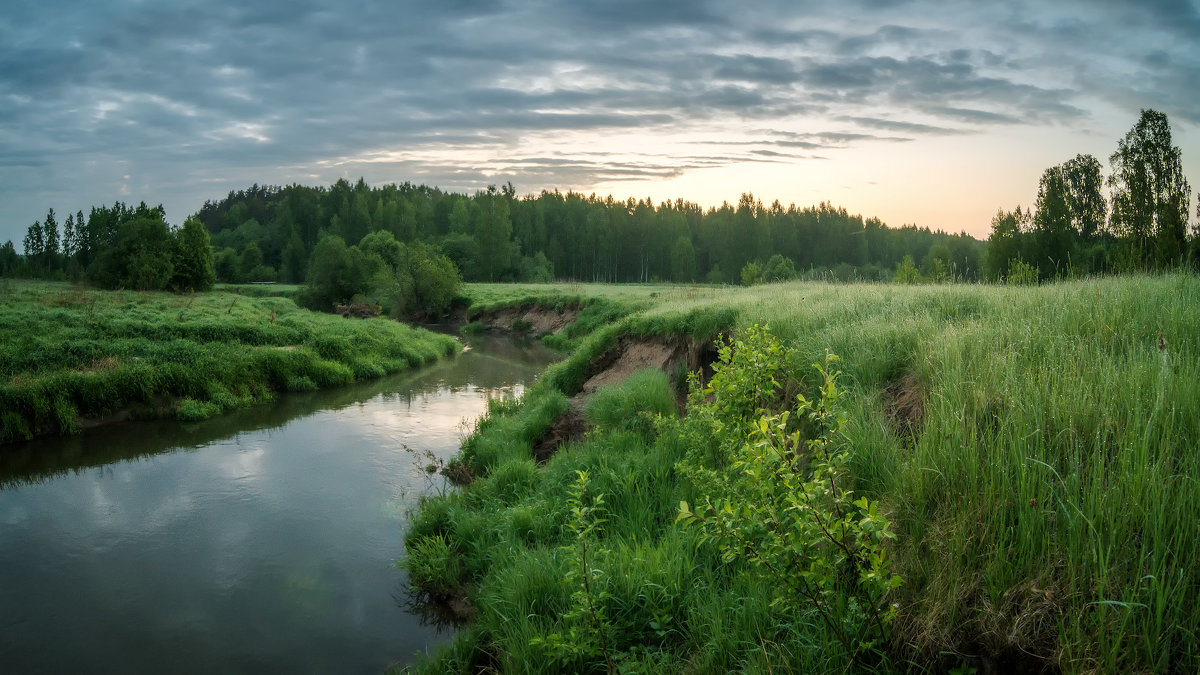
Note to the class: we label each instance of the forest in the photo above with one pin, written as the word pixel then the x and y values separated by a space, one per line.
pixel 385 239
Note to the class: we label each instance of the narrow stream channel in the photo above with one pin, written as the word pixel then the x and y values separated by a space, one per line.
pixel 262 541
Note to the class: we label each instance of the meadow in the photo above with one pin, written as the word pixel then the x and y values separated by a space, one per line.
pixel 1010 474
pixel 71 357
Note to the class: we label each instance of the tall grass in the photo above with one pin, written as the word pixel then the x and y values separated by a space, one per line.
pixel 69 356
pixel 1034 448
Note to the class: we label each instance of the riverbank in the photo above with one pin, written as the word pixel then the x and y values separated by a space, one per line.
pixel 73 357
pixel 1032 450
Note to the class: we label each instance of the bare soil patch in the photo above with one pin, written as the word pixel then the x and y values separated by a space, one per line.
pixel 568 428
pixel 904 403
pixel 529 319
pixel 632 353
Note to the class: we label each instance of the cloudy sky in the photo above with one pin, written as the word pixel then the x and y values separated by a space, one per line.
pixel 917 112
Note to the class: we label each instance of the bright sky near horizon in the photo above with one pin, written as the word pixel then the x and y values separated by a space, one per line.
pixel 933 113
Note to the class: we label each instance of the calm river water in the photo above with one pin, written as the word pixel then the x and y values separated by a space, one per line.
pixel 263 541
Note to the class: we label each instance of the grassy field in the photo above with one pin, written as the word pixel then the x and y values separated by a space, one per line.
pixel 70 357
pixel 262 290
pixel 1033 449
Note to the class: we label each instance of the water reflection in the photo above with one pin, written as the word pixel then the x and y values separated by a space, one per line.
pixel 261 540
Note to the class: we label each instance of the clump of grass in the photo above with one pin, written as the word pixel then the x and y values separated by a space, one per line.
pixel 634 404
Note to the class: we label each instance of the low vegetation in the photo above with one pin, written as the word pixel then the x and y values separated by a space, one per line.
pixel 995 478
pixel 70 357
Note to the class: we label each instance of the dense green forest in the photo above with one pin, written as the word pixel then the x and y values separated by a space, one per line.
pixel 384 240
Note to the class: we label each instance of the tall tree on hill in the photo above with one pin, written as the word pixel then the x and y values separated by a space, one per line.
pixel 1150 195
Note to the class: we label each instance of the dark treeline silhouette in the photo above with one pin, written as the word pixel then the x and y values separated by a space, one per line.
pixel 1074 230
pixel 266 233
pixel 115 247
pixel 271 233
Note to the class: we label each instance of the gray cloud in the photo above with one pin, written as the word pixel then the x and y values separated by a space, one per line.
pixel 902 126
pixel 180 102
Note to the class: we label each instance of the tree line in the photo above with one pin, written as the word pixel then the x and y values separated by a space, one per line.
pixel 273 233
pixel 268 233
pixel 115 247
pixel 1074 229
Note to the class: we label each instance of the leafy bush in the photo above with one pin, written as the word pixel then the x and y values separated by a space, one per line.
pixel 907 272
pixel 1021 273
pixel 777 496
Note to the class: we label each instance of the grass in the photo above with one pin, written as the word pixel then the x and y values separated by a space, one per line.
pixel 1034 449
pixel 271 290
pixel 70 356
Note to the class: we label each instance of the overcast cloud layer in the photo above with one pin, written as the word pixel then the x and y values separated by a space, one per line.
pixel 183 101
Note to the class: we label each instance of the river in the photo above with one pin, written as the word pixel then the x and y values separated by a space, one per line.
pixel 260 541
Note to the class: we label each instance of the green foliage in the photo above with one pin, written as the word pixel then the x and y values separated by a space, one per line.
pixel 403 280
pixel 536 269
pixel 778 268
pixel 907 272
pixel 193 260
pixel 335 274
pixel 782 503
pixel 585 626
pixel 1021 273
pixel 683 260
pixel 1150 196
pixel 141 257
pixel 437 280
pixel 751 274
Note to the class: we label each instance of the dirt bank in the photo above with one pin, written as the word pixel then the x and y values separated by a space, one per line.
pixel 528 319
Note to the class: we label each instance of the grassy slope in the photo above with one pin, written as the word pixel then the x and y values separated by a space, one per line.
pixel 1045 506
pixel 68 355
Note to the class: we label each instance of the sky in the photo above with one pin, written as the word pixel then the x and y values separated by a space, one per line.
pixel 917 112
